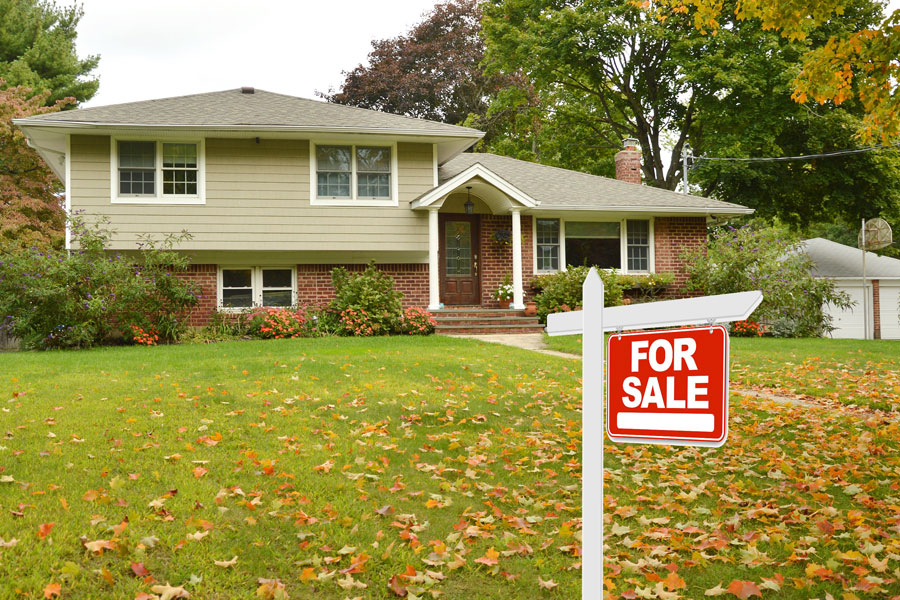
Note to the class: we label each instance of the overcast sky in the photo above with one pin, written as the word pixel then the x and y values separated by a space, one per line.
pixel 174 47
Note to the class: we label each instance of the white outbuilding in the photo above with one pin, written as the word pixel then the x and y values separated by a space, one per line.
pixel 843 265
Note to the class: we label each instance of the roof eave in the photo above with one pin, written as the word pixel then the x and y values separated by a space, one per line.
pixel 475 170
pixel 701 211
pixel 31 122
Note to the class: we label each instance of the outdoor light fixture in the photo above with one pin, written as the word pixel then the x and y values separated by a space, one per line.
pixel 469 205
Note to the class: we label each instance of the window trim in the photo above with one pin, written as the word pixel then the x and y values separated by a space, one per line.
pixel 159 198
pixel 353 200
pixel 623 240
pixel 256 281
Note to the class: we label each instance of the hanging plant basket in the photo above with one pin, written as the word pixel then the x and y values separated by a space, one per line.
pixel 503 237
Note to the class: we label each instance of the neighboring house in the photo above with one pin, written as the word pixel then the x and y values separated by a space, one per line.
pixel 843 265
pixel 277 190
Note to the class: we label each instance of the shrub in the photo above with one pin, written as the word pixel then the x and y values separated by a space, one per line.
pixel 370 297
pixel 562 291
pixel 60 299
pixel 277 323
pixel 417 321
pixel 138 335
pixel 359 322
pixel 746 329
pixel 648 286
pixel 768 259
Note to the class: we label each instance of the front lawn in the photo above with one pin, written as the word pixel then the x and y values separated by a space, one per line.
pixel 377 468
pixel 857 372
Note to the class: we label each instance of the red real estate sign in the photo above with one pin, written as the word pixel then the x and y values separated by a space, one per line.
pixel 668 387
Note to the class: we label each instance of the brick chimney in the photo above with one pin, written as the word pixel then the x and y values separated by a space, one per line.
pixel 628 162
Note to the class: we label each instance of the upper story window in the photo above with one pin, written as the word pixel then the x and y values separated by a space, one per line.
pixel 354 175
pixel 157 172
pixel 604 244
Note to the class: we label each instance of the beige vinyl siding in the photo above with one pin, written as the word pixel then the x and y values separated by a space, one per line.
pixel 257 198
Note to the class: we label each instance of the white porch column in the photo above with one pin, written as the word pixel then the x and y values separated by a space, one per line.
pixel 434 284
pixel 518 293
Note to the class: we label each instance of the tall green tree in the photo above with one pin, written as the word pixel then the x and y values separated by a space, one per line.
pixel 650 73
pixel 37 50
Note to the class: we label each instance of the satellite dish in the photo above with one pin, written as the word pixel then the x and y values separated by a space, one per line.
pixel 878 234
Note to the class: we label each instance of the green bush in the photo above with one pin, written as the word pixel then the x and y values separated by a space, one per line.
pixel 768 259
pixel 367 303
pixel 562 291
pixel 90 296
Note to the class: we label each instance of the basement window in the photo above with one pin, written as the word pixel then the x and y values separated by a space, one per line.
pixel 249 287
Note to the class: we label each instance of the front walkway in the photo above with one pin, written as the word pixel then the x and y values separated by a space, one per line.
pixel 526 341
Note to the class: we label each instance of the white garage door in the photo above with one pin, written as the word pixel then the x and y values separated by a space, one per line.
pixel 849 323
pixel 889 294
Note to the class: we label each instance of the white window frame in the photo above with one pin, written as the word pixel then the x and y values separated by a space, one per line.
pixel 353 200
pixel 256 281
pixel 159 197
pixel 623 240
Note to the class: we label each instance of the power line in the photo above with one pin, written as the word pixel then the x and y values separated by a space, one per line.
pixel 804 157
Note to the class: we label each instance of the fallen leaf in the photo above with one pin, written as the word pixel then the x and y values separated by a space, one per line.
pixel 226 563
pixel 52 589
pixel 44 530
pixel 744 589
pixel 546 585
pixel 168 592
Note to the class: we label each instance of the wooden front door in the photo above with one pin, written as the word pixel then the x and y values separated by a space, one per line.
pixel 459 250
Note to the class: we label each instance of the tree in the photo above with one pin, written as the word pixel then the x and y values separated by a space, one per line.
pixel 37 50
pixel 862 63
pixel 648 73
pixel 31 202
pixel 432 72
pixel 758 257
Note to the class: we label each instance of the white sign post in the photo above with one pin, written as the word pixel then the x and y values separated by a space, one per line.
pixel 592 322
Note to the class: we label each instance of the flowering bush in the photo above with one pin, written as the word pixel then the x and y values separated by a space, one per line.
pixel 746 329
pixel 768 259
pixel 370 298
pixel 277 323
pixel 359 322
pixel 148 337
pixel 417 321
pixel 89 295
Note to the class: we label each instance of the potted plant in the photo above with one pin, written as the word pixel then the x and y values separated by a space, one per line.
pixel 504 293
pixel 503 237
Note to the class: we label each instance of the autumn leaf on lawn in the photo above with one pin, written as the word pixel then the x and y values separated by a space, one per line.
pixel 139 569
pixel 271 589
pixel 44 530
pixel 673 582
pixel 396 586
pixel 98 546
pixel 14 541
pixel 197 535
pixel 348 583
pixel 715 591
pixel 308 574
pixel 168 592
pixel 324 467
pixel 490 557
pixel 199 471
pixel 226 563
pixel 52 589
pixel 744 589
pixel 546 585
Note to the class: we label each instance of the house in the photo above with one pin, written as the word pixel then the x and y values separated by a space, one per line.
pixel 277 190
pixel 843 265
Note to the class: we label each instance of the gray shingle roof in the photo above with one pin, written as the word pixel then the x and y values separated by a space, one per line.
pixel 562 189
pixel 837 260
pixel 261 108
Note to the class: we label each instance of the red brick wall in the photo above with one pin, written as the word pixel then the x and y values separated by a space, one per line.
pixel 495 260
pixel 675 235
pixel 204 276
pixel 628 165
pixel 314 283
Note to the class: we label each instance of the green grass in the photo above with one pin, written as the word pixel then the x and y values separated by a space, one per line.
pixel 422 445
pixel 858 372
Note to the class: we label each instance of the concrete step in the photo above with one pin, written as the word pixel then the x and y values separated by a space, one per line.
pixel 472 328
pixel 485 320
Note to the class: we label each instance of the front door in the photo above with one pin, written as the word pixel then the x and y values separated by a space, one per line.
pixel 459 251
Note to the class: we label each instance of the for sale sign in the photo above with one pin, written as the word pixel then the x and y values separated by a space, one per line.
pixel 668 387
